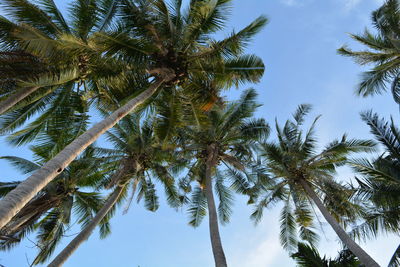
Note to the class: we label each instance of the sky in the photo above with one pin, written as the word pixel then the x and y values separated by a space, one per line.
pixel 298 47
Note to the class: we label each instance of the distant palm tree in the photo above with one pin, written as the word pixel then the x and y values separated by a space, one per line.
pixel 224 137
pixel 308 256
pixel 380 186
pixel 383 51
pixel 303 176
pixel 135 161
pixel 157 41
pixel 49 213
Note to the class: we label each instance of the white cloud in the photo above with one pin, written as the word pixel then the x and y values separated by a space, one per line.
pixel 295 3
pixel 263 254
pixel 262 247
pixel 290 2
pixel 350 4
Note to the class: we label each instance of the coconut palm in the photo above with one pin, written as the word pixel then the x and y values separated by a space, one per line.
pixel 138 160
pixel 49 213
pixel 382 52
pixel 304 177
pixel 63 46
pixel 172 46
pixel 224 137
pixel 308 256
pixel 380 186
pixel 70 74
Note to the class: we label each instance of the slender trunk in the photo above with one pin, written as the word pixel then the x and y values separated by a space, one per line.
pixel 63 256
pixel 353 246
pixel 218 251
pixel 25 191
pixel 394 261
pixel 10 101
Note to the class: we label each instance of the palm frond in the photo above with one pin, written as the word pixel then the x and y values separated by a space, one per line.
pixel 288 227
pixel 197 207
pixel 225 199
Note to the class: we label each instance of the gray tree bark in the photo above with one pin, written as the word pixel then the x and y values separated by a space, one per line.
pixel 63 256
pixel 363 256
pixel 25 191
pixel 13 99
pixel 218 251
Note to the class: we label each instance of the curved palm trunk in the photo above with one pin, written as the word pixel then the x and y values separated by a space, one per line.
pixel 353 246
pixel 395 260
pixel 25 191
pixel 85 233
pixel 218 251
pixel 10 101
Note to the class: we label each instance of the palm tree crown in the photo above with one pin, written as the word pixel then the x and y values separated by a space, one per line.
pixel 383 52
pixel 380 183
pixel 302 176
pixel 224 136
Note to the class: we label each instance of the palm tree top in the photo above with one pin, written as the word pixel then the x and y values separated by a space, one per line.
pixel 382 52
pixel 293 158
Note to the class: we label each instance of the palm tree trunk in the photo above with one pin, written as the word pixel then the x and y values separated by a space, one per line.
pixel 63 256
pixel 395 260
pixel 25 191
pixel 353 246
pixel 10 101
pixel 218 251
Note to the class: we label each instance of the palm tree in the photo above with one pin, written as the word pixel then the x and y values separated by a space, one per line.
pixel 380 186
pixel 69 73
pixel 49 212
pixel 303 176
pixel 171 57
pixel 138 160
pixel 65 48
pixel 224 137
pixel 308 256
pixel 382 52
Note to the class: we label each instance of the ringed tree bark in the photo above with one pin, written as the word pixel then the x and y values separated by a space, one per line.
pixel 26 190
pixel 363 256
pixel 218 251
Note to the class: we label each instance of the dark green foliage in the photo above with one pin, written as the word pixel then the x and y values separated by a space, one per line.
pixel 136 160
pixel 308 256
pixel 379 187
pixel 382 52
pixel 49 213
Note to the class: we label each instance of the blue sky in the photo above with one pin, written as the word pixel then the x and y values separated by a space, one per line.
pixel 299 49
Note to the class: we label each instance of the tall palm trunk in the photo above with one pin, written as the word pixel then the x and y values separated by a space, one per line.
pixel 353 246
pixel 85 233
pixel 25 191
pixel 10 101
pixel 218 251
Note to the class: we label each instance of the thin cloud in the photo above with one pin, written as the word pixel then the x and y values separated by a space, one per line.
pixel 350 4
pixel 290 2
pixel 295 3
